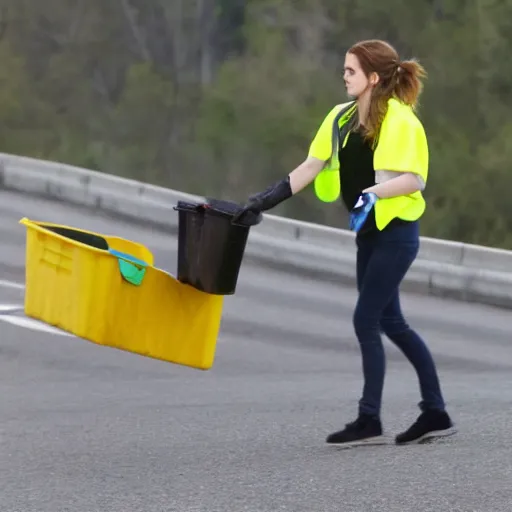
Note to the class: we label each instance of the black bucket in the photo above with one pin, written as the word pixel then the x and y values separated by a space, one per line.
pixel 211 246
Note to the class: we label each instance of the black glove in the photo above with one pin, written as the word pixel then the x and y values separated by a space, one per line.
pixel 269 198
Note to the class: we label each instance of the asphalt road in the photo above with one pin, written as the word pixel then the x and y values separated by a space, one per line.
pixel 86 428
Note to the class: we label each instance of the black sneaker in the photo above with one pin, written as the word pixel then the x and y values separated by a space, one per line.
pixel 365 430
pixel 429 425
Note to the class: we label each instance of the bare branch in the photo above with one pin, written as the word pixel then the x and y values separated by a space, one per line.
pixel 136 30
pixel 77 19
pixel 99 83
pixel 3 21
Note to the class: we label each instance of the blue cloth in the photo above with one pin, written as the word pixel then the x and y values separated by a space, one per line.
pixel 361 210
pixel 383 259
pixel 130 271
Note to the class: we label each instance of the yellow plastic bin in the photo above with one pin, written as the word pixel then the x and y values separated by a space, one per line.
pixel 118 299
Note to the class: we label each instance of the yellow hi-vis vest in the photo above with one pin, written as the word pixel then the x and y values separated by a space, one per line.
pixel 401 146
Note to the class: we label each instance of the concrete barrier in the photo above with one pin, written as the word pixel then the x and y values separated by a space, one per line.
pixel 443 267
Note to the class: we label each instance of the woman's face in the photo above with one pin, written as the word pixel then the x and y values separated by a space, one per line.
pixel 354 77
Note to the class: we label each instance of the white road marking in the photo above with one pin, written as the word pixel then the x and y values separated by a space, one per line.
pixel 10 308
pixel 31 323
pixel 11 284
pixel 13 314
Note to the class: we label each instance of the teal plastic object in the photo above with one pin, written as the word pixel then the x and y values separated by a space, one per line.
pixel 132 269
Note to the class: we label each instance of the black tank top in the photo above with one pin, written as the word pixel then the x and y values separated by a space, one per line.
pixel 357 173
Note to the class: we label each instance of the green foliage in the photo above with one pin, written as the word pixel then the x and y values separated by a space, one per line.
pixel 220 98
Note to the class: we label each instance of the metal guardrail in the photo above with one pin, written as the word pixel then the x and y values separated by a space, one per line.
pixel 443 267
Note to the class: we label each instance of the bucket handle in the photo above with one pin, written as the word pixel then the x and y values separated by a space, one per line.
pixel 203 207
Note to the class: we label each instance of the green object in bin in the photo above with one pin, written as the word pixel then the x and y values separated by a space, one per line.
pixel 132 271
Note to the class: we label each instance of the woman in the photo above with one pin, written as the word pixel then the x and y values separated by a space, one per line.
pixel 374 151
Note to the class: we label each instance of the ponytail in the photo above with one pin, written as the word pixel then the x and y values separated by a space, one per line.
pixel 404 82
pixel 408 81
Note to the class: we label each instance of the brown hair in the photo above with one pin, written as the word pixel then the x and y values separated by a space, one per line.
pixel 400 79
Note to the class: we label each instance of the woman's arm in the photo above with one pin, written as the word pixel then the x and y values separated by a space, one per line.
pixel 278 192
pixel 305 173
pixel 404 184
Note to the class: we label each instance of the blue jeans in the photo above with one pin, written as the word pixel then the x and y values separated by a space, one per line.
pixel 383 259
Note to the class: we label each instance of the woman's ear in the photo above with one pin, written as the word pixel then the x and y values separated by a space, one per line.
pixel 374 78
